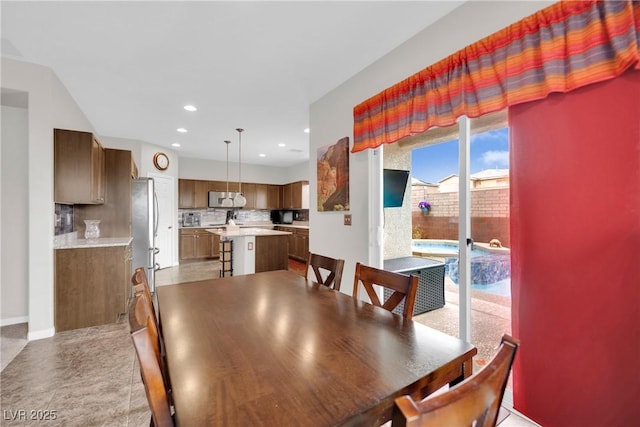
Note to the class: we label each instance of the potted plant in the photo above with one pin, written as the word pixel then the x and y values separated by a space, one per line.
pixel 424 206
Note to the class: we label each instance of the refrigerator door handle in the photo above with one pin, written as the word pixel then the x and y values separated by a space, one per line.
pixel 156 214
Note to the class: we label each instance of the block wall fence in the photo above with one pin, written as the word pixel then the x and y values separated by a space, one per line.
pixel 489 215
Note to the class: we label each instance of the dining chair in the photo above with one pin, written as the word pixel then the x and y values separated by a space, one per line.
pixel 404 288
pixel 144 335
pixel 475 401
pixel 319 264
pixel 141 284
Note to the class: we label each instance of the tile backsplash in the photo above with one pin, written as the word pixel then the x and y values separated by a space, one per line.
pixel 219 216
pixel 63 219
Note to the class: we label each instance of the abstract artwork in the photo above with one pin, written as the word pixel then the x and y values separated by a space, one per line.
pixel 333 176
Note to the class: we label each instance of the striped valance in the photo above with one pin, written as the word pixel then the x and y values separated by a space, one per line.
pixel 563 47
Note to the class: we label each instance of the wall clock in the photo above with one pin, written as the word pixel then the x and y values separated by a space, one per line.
pixel 161 161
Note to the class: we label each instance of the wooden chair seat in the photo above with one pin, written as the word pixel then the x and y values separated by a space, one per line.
pixel 322 264
pixel 404 288
pixel 475 401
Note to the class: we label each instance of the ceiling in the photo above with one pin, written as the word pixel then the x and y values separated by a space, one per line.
pixel 132 66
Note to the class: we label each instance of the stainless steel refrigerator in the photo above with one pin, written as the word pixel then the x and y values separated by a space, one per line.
pixel 144 227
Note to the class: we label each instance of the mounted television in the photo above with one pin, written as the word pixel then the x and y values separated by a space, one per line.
pixel 394 183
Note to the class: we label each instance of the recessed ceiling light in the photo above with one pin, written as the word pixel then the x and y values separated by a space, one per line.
pixel 306 130
pixel 190 108
pixel 282 144
pixel 175 144
pixel 182 130
pixel 262 155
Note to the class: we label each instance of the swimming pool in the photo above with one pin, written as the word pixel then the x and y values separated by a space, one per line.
pixel 490 267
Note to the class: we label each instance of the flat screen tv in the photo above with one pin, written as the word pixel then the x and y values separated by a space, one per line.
pixel 394 183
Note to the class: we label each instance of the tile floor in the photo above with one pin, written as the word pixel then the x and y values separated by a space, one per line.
pixel 90 376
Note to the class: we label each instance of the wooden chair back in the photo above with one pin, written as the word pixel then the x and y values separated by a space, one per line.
pixel 320 263
pixel 145 341
pixel 475 401
pixel 404 288
pixel 141 284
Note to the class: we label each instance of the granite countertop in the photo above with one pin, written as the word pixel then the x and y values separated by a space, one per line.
pixel 237 232
pixel 97 243
pixel 246 225
pixel 249 225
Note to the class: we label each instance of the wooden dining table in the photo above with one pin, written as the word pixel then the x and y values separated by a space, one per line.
pixel 276 349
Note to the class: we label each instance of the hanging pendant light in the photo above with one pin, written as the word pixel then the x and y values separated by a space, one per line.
pixel 239 200
pixel 227 202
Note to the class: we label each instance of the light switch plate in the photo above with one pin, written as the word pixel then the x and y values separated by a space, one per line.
pixel 347 219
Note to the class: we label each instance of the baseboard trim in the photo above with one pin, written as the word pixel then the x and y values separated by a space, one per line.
pixel 14 320
pixel 38 335
pixel 507 402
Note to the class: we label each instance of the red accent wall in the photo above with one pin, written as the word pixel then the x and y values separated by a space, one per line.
pixel 575 237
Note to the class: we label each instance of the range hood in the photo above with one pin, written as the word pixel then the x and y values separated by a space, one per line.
pixel 216 198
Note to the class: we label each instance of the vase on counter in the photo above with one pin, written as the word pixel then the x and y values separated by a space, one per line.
pixel 92 230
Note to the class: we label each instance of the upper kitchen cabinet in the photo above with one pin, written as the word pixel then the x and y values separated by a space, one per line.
pixel 296 195
pixel 186 192
pixel 273 197
pixel 79 167
pixel 201 194
pixel 115 212
pixel 194 193
pixel 249 190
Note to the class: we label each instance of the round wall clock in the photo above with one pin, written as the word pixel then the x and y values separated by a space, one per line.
pixel 161 161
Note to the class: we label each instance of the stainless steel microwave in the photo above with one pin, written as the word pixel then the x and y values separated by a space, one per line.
pixel 216 198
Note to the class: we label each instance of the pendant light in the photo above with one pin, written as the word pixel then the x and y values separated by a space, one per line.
pixel 227 202
pixel 239 201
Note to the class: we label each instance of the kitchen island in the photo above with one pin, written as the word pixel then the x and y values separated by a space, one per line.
pixel 256 249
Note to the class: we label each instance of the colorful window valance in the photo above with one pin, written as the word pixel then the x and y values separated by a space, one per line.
pixel 558 49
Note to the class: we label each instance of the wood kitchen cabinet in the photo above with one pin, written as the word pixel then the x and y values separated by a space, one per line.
pixel 295 195
pixel 273 196
pixel 79 167
pixel 271 253
pixel 186 192
pixel 197 243
pixel 92 286
pixel 261 199
pixel 194 193
pixel 298 242
pixel 249 192
pixel 201 194
pixel 115 212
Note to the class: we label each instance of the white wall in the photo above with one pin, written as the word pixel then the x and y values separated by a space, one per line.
pixel 331 118
pixel 192 168
pixel 50 106
pixel 14 203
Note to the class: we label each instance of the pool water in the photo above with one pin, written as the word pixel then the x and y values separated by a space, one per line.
pixel 490 272
pixel 445 249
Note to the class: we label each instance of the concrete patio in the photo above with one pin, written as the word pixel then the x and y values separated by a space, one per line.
pixel 490 317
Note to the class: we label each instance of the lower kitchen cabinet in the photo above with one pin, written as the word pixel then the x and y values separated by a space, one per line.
pixel 197 243
pixel 298 242
pixel 92 286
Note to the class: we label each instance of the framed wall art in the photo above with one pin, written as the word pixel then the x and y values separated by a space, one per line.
pixel 333 176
